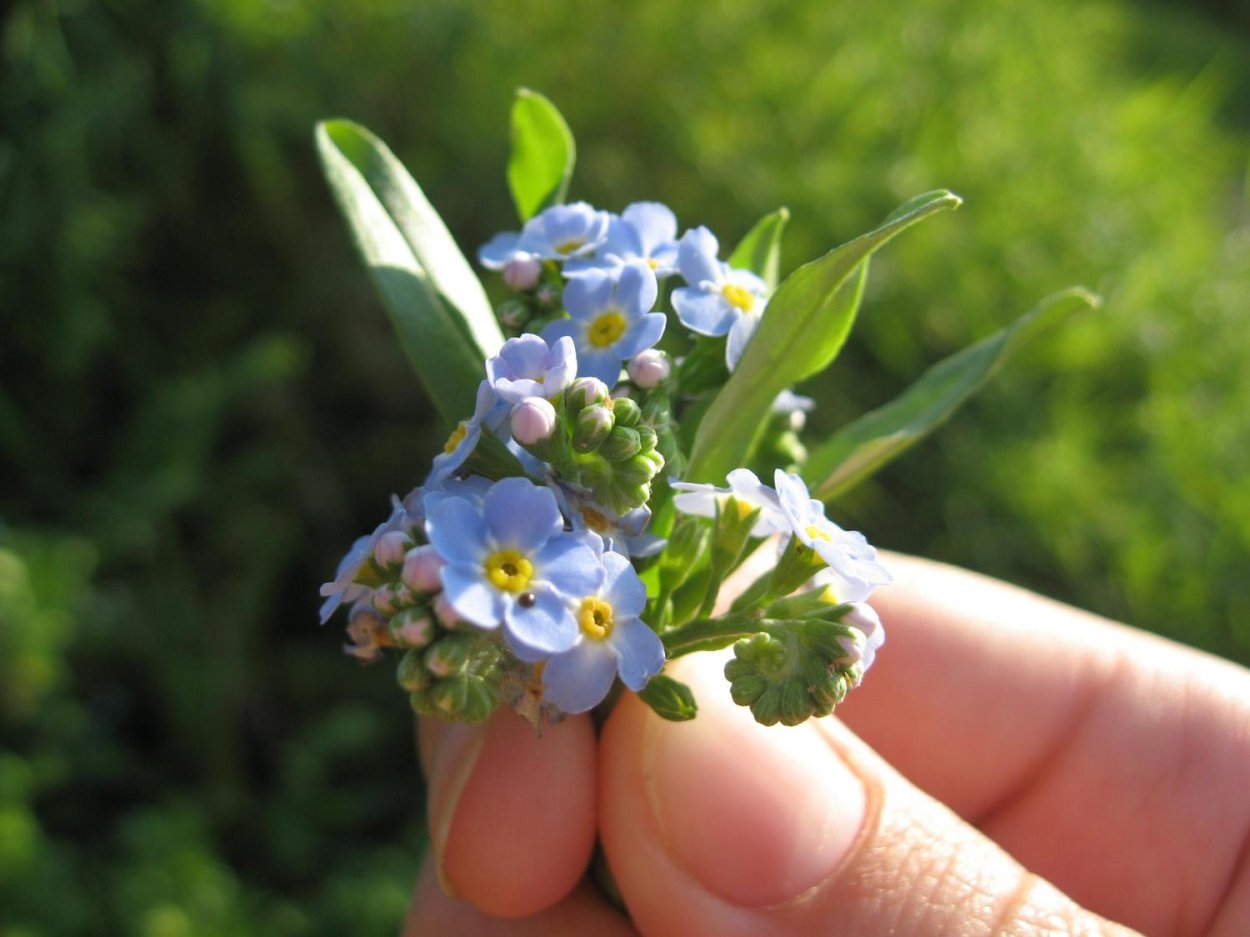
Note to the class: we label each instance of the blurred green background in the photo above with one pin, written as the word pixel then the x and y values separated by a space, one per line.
pixel 200 407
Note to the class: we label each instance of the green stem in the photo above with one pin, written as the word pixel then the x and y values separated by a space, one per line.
pixel 707 634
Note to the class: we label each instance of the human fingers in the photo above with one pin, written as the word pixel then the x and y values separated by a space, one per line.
pixel 721 826
pixel 1110 761
pixel 511 815
pixel 434 913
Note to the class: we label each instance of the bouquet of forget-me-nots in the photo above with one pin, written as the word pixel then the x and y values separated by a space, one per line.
pixel 623 433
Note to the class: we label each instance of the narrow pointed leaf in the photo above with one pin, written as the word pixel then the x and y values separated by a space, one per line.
pixel 865 445
pixel 760 250
pixel 437 305
pixel 543 154
pixel 802 330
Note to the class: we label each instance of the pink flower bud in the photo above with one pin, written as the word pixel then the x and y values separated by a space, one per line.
pixel 444 612
pixel 648 368
pixel 522 272
pixel 390 548
pixel 585 392
pixel 415 630
pixel 420 572
pixel 533 419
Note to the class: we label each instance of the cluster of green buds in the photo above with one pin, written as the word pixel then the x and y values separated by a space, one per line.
pixel 603 444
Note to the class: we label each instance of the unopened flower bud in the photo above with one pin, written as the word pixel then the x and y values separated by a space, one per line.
pixel 533 419
pixel 522 272
pixel 448 655
pixel 863 618
pixel 446 615
pixel 389 599
pixel 390 549
pixel 594 424
pixel 412 628
pixel 547 296
pixel 421 569
pixel 585 392
pixel 626 411
pixel 513 314
pixel 622 443
pixel 649 368
pixel 411 673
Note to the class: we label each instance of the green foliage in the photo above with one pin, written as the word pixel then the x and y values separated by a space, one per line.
pixel 543 154
pixel 439 309
pixel 801 331
pixel 861 447
pixel 201 404
pixel 760 248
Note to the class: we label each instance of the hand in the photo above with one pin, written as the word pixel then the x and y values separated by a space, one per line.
pixel 1033 769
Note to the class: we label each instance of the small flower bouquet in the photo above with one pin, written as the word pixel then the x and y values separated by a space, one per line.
pixel 610 426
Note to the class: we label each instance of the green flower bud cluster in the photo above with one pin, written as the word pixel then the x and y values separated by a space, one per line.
pixel 615 453
pixel 457 676
pixel 791 670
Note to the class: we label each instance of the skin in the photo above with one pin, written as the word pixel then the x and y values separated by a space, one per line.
pixel 1009 766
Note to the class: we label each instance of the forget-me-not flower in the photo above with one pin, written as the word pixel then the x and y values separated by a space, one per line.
pixel 464 438
pixel 612 639
pixel 610 318
pixel 853 571
pixel 745 487
pixel 530 366
pixel 718 299
pixel 558 233
pixel 510 562
pixel 344 588
pixel 645 231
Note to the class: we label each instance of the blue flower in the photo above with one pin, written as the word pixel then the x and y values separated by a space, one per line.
pixel 463 439
pixel 510 562
pixel 610 318
pixel 853 571
pixel 622 533
pixel 559 233
pixel 744 486
pixel 612 639
pixel 530 367
pixel 645 231
pixel 719 299
pixel 344 588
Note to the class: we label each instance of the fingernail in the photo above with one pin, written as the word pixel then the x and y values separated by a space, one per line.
pixel 758 815
pixel 451 768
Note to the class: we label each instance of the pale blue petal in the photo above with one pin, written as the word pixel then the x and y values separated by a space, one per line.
pixel 513 392
pixel 740 334
pixel 623 241
pixel 639 650
pixel 588 293
pixel 642 333
pixel 471 596
pixel 636 290
pixel 457 530
pixel 603 363
pixel 703 311
pixel 524 356
pixel 622 589
pixel 563 328
pixel 562 367
pixel 664 258
pixel 654 222
pixel 569 566
pixel 579 679
pixel 496 252
pixel 545 626
pixel 696 257
pixel 521 515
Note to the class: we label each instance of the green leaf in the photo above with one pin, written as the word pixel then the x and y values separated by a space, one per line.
pixel 671 699
pixel 865 445
pixel 543 154
pixel 443 318
pixel 760 250
pixel 803 328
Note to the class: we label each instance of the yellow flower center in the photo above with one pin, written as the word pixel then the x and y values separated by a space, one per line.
pixel 742 507
pixel 456 437
pixel 596 521
pixel 653 263
pixel 737 297
pixel 509 570
pixel 567 247
pixel 595 617
pixel 817 534
pixel 606 329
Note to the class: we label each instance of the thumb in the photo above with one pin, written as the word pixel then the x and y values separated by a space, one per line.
pixel 722 826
